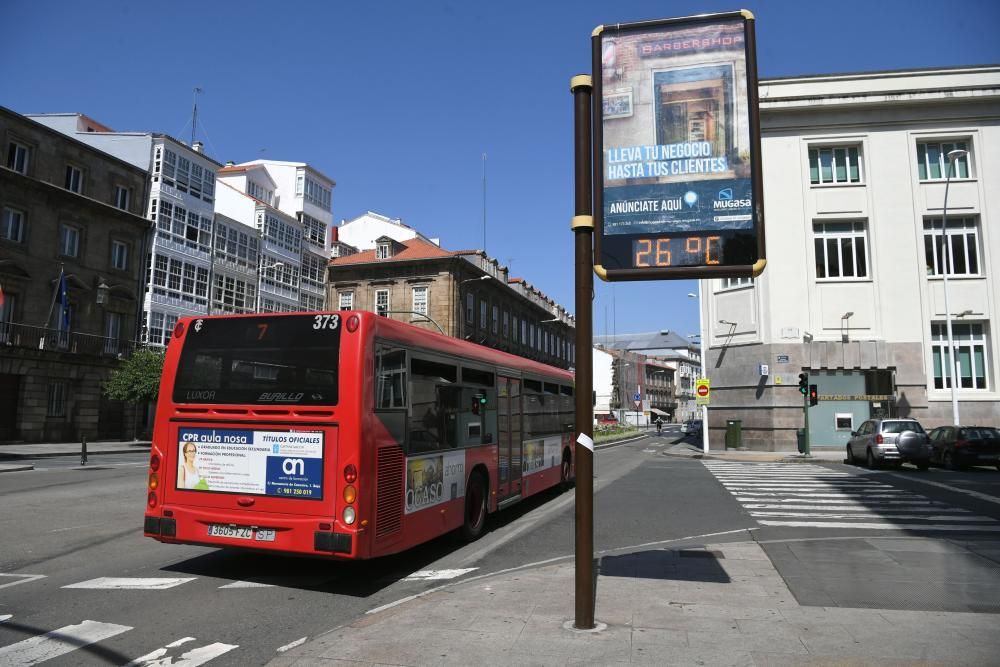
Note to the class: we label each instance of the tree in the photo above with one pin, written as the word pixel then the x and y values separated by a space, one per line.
pixel 137 380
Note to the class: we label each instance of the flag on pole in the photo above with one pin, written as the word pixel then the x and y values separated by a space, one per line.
pixel 63 303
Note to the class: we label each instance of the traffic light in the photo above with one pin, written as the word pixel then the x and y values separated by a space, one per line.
pixel 478 401
pixel 813 394
pixel 803 383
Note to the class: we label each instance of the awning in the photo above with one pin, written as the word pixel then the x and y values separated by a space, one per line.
pixel 659 412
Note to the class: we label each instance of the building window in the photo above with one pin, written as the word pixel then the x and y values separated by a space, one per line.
pixel 57 400
pixel 313 271
pixel 180 281
pixel 17 157
pixel 470 308
pixel 971 345
pixel 282 234
pixel 382 251
pixel 382 302
pixel 496 320
pixel 420 300
pixel 834 165
pixel 346 300
pixel 74 179
pixel 482 314
pixel 932 160
pixel 963 255
pixel 732 283
pixel 69 241
pixel 121 197
pixel 313 229
pixel 506 324
pixel 12 225
pixel 119 255
pixel 310 302
pixel 161 326
pixel 234 245
pixel 840 250
pixel 233 295
pixel 261 193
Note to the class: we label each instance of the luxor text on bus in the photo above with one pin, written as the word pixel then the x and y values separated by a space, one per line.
pixel 346 434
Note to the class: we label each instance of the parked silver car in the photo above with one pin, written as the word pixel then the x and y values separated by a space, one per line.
pixel 895 441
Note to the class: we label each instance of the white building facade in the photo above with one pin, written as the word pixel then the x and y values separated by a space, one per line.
pixel 182 205
pixel 855 173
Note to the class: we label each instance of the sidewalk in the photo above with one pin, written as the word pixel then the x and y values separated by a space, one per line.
pixel 717 604
pixel 10 455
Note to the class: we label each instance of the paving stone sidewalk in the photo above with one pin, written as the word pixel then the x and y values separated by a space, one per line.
pixel 722 604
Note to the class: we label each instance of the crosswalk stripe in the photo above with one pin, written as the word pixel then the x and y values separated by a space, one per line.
pixel 193 658
pixel 429 575
pixel 131 583
pixel 882 526
pixel 58 642
pixel 247 584
pixel 873 515
pixel 817 497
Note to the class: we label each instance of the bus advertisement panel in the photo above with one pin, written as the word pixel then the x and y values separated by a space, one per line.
pixel 285 464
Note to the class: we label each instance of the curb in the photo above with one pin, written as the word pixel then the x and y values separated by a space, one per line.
pixel 7 456
pixel 13 467
pixel 740 459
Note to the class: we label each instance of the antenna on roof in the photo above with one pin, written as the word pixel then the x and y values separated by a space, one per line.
pixel 484 202
pixel 194 113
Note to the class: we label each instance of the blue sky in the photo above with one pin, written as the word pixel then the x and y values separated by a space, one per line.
pixel 397 101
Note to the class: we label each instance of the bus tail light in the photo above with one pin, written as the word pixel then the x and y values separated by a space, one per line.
pixel 151 499
pixel 352 323
pixel 154 481
pixel 350 473
pixel 350 494
pixel 349 515
pixel 179 330
pixel 154 462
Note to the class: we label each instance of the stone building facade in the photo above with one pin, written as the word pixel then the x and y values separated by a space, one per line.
pixel 66 209
pixel 463 294
pixel 856 171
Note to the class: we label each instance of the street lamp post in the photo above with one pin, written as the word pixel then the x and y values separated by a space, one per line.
pixel 946 264
pixel 701 337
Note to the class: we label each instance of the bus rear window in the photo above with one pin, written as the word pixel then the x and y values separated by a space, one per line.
pixel 265 360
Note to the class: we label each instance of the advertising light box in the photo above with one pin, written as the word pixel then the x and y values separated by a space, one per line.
pixel 678 189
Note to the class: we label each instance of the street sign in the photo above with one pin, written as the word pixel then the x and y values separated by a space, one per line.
pixel 702 391
pixel 637 403
pixel 677 162
pixel 637 397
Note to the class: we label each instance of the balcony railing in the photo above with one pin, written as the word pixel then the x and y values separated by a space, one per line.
pixel 17 335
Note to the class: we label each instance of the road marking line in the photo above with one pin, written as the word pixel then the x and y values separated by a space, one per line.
pixel 846 506
pixel 433 575
pixel 58 642
pixel 4 617
pixel 24 578
pixel 875 515
pixel 845 501
pixel 192 658
pixel 845 494
pixel 247 584
pixel 974 494
pixel 291 645
pixel 131 583
pixel 882 526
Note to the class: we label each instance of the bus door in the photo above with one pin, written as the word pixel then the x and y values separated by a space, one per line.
pixel 509 442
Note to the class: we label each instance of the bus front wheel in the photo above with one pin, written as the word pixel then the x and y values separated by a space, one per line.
pixel 476 496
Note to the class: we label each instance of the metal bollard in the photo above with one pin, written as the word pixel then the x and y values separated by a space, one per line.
pixel 83 451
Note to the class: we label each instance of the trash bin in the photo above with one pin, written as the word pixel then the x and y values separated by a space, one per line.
pixel 800 437
pixel 734 433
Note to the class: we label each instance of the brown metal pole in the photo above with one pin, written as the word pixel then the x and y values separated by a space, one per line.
pixel 583 231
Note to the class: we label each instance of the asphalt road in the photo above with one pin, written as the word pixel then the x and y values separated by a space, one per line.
pixel 72 541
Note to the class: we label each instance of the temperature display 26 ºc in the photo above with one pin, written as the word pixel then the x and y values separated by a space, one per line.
pixel 687 250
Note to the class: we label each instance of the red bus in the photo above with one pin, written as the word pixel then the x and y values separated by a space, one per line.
pixel 346 434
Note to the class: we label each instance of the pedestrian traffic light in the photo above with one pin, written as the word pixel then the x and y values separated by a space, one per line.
pixel 813 394
pixel 803 383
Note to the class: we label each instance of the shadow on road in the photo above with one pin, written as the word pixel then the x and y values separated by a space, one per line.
pixel 675 565
pixel 352 578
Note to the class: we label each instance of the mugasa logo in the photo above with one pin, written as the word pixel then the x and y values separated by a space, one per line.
pixel 725 200
pixel 690 198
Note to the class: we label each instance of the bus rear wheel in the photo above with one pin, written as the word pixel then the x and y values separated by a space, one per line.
pixel 476 495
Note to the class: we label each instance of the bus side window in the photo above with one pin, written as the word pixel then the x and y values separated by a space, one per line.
pixel 390 390
pixel 431 392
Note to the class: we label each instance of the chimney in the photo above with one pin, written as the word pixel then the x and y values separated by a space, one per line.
pixel 230 163
pixel 334 234
pixel 198 147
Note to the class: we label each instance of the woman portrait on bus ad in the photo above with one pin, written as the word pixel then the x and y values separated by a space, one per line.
pixel 188 475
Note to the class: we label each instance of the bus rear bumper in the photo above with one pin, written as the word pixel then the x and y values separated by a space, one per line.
pixel 305 536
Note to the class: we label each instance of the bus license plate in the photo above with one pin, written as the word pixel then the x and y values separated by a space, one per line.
pixel 241 532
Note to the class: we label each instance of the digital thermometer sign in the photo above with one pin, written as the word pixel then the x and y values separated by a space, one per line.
pixel 678 189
